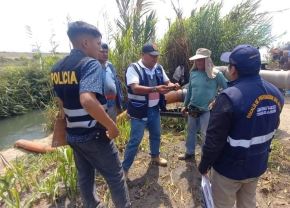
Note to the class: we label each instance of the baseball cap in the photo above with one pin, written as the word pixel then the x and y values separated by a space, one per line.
pixel 201 53
pixel 245 58
pixel 151 49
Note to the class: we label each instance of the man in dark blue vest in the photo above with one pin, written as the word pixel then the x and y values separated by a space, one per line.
pixel 78 83
pixel 242 125
pixel 146 84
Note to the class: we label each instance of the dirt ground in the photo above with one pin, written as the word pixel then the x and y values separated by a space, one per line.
pixel 178 185
pixel 274 186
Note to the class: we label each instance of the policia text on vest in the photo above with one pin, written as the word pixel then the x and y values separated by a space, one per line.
pixel 64 77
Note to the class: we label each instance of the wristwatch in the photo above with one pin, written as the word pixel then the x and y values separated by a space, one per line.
pixel 154 89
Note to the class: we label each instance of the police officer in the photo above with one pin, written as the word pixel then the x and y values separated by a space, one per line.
pixel 241 128
pixel 78 85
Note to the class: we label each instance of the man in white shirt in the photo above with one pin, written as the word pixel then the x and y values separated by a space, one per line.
pixel 146 83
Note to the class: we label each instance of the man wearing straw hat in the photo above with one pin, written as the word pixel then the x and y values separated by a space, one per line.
pixel 204 83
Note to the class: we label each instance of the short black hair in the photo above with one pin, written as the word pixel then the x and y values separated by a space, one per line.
pixel 105 46
pixel 75 29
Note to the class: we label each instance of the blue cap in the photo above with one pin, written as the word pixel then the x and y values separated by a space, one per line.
pixel 245 58
pixel 151 49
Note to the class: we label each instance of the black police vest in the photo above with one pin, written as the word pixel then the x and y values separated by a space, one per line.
pixel 66 76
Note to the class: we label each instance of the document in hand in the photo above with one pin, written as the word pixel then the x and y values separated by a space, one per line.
pixel 206 192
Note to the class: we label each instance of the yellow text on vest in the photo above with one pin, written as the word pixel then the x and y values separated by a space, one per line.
pixel 64 77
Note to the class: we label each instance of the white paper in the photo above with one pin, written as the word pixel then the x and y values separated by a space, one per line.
pixel 206 191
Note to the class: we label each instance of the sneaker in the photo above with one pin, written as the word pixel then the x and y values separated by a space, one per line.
pixel 159 161
pixel 186 157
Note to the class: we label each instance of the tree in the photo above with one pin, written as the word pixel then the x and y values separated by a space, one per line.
pixel 136 26
pixel 207 28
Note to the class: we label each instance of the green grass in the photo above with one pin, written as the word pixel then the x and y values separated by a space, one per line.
pixel 53 176
pixel 279 159
pixel 49 176
pixel 35 177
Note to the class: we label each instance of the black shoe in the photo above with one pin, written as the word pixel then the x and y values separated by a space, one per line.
pixel 186 157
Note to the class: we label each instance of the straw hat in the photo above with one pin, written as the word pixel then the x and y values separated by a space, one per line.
pixel 201 53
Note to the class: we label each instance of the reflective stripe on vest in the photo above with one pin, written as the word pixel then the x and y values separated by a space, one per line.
pixel 81 124
pixel 79 113
pixel 136 97
pixel 73 113
pixel 247 143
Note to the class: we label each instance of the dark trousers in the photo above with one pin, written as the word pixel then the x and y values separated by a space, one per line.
pixel 100 154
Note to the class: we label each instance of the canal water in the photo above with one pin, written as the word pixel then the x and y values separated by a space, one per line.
pixel 29 126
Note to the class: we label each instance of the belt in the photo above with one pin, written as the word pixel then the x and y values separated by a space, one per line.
pixel 194 111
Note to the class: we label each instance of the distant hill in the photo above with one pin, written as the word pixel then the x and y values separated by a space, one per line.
pixel 19 58
pixel 16 55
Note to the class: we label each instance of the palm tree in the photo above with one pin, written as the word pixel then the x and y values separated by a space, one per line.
pixel 138 17
pixel 136 26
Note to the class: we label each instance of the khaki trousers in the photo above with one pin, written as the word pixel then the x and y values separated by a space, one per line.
pixel 227 191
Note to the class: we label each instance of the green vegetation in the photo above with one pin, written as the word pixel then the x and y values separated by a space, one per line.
pixel 25 182
pixel 136 27
pixel 27 87
pixel 279 159
pixel 207 28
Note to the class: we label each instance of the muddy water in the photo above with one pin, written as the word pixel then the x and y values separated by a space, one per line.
pixel 28 126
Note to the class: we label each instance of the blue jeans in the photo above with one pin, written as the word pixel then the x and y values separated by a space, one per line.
pixel 137 132
pixel 193 125
pixel 100 154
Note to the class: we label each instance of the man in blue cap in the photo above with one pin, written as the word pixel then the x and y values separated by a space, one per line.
pixel 242 125
pixel 146 84
pixel 78 83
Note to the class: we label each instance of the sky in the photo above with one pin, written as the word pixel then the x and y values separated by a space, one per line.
pixel 46 18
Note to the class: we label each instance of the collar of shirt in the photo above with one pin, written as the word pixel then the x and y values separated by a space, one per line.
pixel 106 65
pixel 77 53
pixel 150 72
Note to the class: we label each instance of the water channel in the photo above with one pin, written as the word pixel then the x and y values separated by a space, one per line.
pixel 29 126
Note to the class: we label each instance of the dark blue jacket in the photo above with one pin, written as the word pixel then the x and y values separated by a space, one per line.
pixel 138 104
pixel 66 76
pixel 248 118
